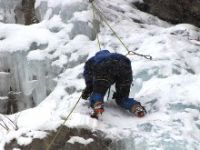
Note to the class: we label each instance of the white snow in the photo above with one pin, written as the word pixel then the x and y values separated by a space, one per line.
pixel 24 141
pixel 167 86
pixel 84 16
pixel 16 149
pixel 77 139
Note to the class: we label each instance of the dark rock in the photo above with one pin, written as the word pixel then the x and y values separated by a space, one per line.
pixel 141 6
pixel 60 143
pixel 174 11
pixel 28 7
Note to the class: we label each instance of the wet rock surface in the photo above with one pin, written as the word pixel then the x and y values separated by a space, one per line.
pixel 61 143
pixel 174 11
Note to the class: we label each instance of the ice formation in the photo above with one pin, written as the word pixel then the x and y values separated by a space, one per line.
pixel 44 63
pixel 10 11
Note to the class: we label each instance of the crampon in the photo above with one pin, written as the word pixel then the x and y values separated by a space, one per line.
pixel 139 110
pixel 97 110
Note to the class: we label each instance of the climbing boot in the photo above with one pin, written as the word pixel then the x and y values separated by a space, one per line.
pixel 138 110
pixel 97 110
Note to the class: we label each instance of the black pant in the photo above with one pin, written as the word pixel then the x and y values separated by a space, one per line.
pixel 110 72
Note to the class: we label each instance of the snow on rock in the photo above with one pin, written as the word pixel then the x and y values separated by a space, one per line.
pixel 58 47
pixel 24 141
pixel 77 139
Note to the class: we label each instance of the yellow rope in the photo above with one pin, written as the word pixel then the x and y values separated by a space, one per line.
pixel 101 15
pixel 49 145
pixel 98 41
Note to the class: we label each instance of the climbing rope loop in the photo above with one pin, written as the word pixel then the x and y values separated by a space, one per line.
pixel 102 16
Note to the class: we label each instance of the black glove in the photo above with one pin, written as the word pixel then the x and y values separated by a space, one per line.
pixel 86 93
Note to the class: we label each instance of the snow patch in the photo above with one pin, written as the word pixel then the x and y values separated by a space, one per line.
pixel 77 139
pixel 24 140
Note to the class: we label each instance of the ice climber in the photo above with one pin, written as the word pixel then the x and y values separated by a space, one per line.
pixel 103 70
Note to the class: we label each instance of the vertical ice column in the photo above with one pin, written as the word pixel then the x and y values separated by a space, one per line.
pixel 4 76
pixel 31 80
pixel 18 11
pixel 10 11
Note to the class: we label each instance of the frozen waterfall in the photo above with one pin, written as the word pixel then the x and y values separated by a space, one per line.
pixel 41 68
pixel 31 80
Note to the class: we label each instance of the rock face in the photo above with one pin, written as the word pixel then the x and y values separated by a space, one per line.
pixel 99 142
pixel 175 11
pixel 29 12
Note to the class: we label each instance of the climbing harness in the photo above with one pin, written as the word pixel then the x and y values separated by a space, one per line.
pixel 102 16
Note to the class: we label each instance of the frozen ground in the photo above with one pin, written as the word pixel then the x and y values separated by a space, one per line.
pixel 168 85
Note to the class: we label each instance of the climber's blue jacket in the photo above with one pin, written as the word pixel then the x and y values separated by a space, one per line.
pixel 101 56
pixel 95 66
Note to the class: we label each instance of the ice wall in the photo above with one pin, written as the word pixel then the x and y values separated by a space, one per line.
pixel 31 80
pixel 18 11
pixel 78 13
pixel 11 11
pixel 167 86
